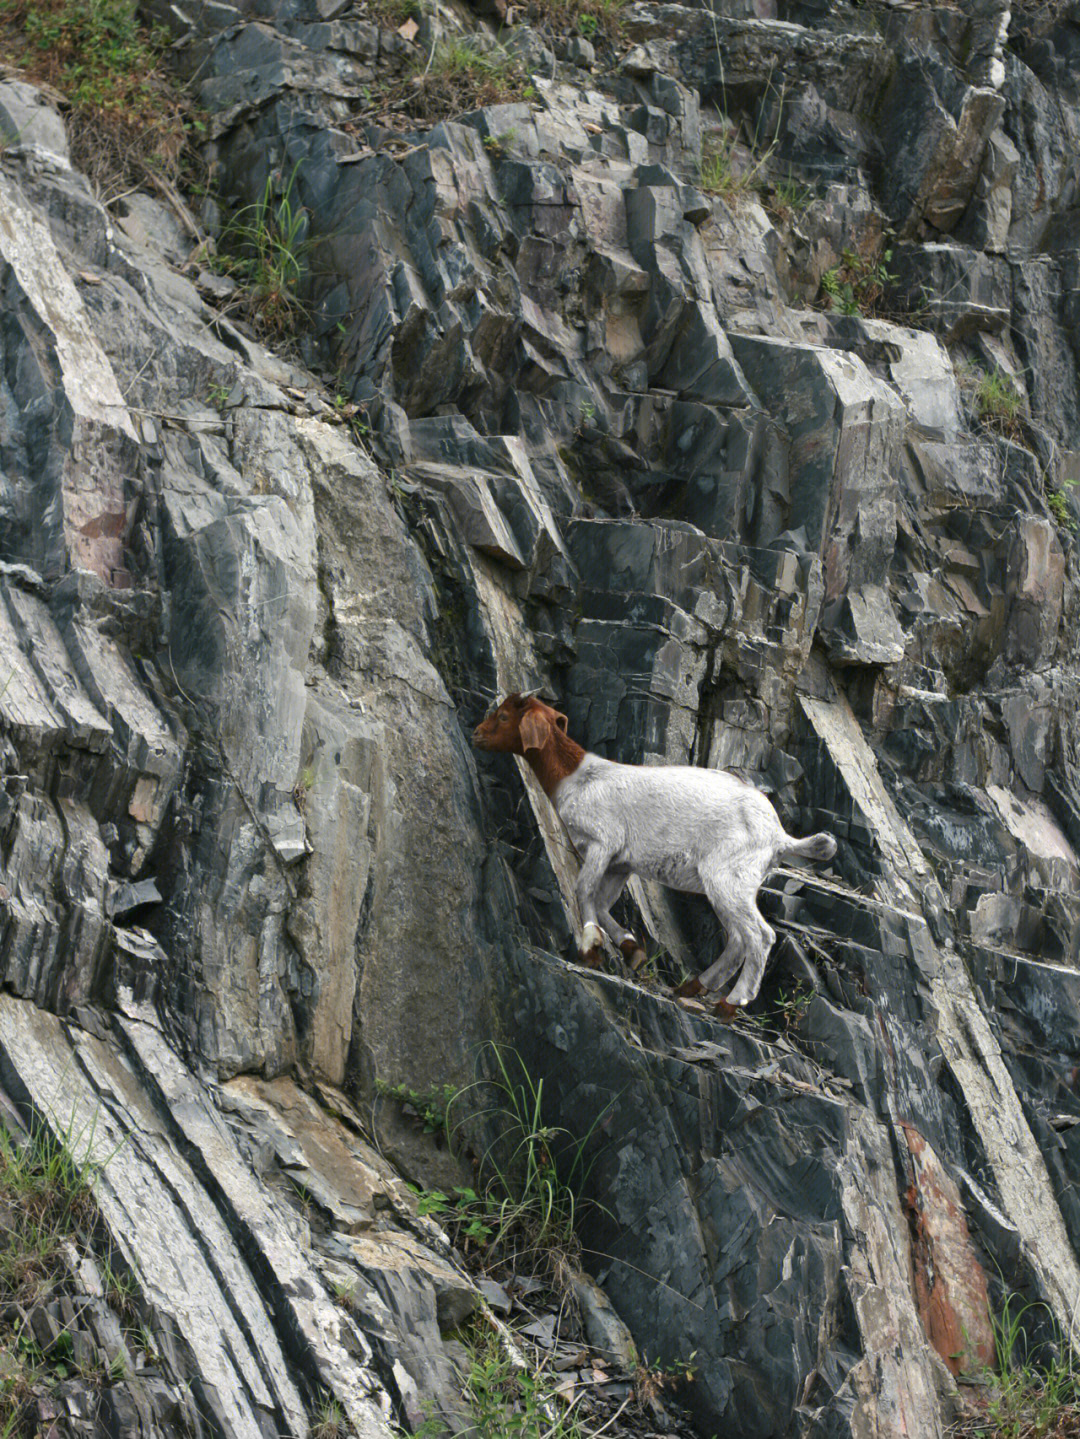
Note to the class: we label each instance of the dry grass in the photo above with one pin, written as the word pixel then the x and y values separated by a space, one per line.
pixel 127 119
pixel 462 77
pixel 594 19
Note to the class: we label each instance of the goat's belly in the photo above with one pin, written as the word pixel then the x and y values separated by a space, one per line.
pixel 676 871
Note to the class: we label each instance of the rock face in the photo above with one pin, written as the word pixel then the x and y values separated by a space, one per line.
pixel 251 865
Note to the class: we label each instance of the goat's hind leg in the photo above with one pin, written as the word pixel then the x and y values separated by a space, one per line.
pixel 731 887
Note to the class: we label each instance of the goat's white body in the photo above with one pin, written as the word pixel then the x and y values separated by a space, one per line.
pixel 700 830
pixel 663 823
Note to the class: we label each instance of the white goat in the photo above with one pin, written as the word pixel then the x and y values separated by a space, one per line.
pixel 700 830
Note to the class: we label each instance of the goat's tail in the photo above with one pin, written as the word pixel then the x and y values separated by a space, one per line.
pixel 817 846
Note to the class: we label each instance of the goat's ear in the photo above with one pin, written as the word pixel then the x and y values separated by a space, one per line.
pixel 534 730
pixel 560 720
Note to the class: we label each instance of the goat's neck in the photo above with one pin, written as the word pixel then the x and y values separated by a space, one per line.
pixel 558 759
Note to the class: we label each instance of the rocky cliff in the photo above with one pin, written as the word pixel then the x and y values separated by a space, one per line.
pixel 672 383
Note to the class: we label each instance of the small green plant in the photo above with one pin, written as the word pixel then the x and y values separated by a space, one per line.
pixel 509 1402
pixel 344 1292
pixel 856 285
pixel 429 1107
pixel 790 1008
pixel 594 19
pixel 717 175
pixel 464 1209
pixel 48 1190
pixel 394 13
pixel 532 1172
pixel 218 395
pixel 1058 500
pixel 497 145
pixel 998 402
pixel 121 1288
pixel 789 198
pixel 329 1421
pixel 651 1378
pixel 265 247
pixel 529 1177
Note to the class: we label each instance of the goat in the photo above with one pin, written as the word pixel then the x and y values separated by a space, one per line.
pixel 700 830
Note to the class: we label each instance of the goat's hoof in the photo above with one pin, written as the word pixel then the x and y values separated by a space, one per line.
pixel 592 958
pixel 633 953
pixel 723 1010
pixel 689 988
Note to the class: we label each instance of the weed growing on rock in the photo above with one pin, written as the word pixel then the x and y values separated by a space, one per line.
pixel 511 1402
pixel 650 1378
pixel 461 76
pixel 393 13
pixel 1058 500
pixel 45 1195
pixel 720 174
pixel 525 1207
pixel 786 1012
pixel 998 403
pixel 717 174
pixel 266 249
pixel 1025 1400
pixel 590 18
pixel 429 1107
pixel 497 145
pixel 857 284
pixel 46 1201
pixel 789 198
pixel 127 121
pixel 329 1421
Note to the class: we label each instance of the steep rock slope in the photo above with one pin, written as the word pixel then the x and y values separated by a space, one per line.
pixel 619 454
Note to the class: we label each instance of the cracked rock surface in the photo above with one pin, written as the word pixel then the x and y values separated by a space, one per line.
pixel 612 443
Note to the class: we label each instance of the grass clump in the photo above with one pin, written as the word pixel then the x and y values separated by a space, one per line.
pixel 718 175
pixel 998 403
pixel 723 174
pixel 128 120
pixel 266 249
pixel 1026 1399
pixel 394 13
pixel 524 1208
pixel 857 284
pixel 461 76
pixel 593 19
pixel 329 1421
pixel 45 1195
pixel 789 198
pixel 1058 500
pixel 509 1402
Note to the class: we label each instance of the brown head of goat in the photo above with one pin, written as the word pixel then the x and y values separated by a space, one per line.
pixel 525 725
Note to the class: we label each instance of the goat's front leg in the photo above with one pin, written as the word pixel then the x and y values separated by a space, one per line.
pixel 611 886
pixel 593 868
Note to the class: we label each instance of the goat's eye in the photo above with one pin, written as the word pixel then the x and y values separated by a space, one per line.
pixel 502 719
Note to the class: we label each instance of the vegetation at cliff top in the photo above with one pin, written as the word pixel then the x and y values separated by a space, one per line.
pixel 127 119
